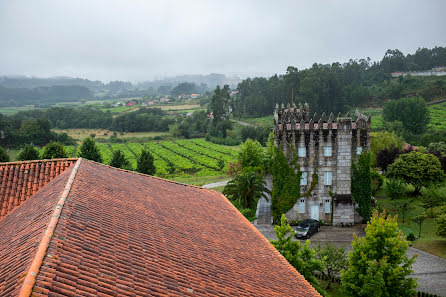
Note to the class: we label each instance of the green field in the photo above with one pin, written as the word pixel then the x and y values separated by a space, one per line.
pixel 195 160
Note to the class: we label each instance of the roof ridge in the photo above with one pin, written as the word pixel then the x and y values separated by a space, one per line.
pixel 35 161
pixel 148 175
pixel 37 261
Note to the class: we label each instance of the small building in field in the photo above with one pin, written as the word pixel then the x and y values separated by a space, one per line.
pixel 327 146
pixel 131 103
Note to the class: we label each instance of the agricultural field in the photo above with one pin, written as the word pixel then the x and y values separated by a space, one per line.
pixel 80 134
pixel 190 158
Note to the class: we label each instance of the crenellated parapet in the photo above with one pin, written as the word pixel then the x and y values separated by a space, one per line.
pixel 292 118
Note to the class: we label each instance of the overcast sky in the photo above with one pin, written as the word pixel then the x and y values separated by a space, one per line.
pixel 140 40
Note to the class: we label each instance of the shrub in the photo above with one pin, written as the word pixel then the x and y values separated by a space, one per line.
pixel 29 152
pixel 411 236
pixel 395 188
pixel 4 157
pixel 234 168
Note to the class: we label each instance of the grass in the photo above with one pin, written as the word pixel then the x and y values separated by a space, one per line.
pixel 266 121
pixel 219 189
pixel 429 241
pixel 80 134
pixel 200 180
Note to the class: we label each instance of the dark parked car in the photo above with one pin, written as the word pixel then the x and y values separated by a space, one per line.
pixel 307 228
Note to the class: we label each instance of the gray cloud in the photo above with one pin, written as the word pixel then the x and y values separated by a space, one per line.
pixel 139 40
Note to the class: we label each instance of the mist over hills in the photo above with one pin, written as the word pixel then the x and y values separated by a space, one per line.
pixel 22 90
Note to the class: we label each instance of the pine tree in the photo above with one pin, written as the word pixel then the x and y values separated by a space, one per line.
pixel 89 150
pixel 300 256
pixel 145 163
pixel 54 150
pixel 119 160
pixel 378 263
pixel 29 152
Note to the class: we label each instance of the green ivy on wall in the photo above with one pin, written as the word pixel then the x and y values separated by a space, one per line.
pixel 286 183
pixel 361 185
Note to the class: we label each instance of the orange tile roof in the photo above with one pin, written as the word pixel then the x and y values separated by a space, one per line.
pixel 20 180
pixel 123 233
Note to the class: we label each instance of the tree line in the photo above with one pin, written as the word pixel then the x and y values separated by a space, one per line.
pixel 337 87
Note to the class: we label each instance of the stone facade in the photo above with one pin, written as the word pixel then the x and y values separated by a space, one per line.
pixel 325 146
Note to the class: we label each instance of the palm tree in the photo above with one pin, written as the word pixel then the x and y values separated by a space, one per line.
pixel 246 189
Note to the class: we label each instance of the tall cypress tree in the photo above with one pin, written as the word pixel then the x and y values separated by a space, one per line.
pixel 145 163
pixel 89 150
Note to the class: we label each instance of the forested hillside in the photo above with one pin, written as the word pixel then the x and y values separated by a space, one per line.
pixel 340 87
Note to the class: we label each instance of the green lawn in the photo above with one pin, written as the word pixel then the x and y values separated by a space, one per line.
pixel 429 241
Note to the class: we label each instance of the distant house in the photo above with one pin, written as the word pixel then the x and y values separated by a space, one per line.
pixel 164 100
pixel 131 103
pixel 144 103
pixel 194 96
pixel 153 102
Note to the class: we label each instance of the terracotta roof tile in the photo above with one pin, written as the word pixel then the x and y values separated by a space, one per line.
pixel 20 180
pixel 21 232
pixel 127 234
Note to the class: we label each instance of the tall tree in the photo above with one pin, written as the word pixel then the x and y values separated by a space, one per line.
pixel 119 160
pixel 220 104
pixel 145 163
pixel 300 256
pixel 378 263
pixel 412 112
pixel 54 150
pixel 89 150
pixel 417 169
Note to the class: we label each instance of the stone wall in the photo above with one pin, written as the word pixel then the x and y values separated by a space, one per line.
pixel 343 214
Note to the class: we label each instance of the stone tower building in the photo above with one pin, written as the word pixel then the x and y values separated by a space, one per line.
pixel 327 146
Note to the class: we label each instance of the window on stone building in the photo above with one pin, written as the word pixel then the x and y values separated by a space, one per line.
pixel 358 150
pixel 327 151
pixel 327 178
pixel 302 152
pixel 304 178
pixel 302 205
pixel 327 205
